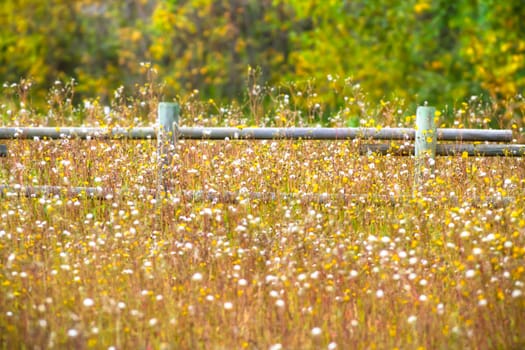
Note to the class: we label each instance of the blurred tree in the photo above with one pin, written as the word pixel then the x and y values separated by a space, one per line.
pixel 209 44
pixel 91 40
pixel 417 50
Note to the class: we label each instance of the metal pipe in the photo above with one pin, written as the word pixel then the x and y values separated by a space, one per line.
pixel 235 197
pixel 82 133
pixel 472 150
pixel 340 134
pixel 295 133
pixel 221 133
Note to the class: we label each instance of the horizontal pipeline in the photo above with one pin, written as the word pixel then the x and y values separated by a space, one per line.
pixel 340 134
pixel 83 133
pixel 222 133
pixel 235 197
pixel 481 150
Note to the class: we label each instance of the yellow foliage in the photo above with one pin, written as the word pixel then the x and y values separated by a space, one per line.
pixel 413 50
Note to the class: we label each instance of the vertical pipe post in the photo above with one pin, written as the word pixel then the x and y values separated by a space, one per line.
pixel 425 143
pixel 168 118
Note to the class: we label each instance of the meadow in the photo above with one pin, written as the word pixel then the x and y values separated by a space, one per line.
pixel 441 266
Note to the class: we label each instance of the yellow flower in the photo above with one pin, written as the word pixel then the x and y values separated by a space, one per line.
pixel 421 6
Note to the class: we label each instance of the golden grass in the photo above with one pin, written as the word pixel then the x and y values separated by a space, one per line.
pixel 443 269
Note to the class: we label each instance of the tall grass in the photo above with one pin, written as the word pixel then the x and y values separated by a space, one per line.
pixel 441 269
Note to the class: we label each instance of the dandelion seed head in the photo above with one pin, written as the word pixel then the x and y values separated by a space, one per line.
pixel 477 251
pixel 72 333
pixel 316 331
pixel 242 282
pixel 197 277
pixel 279 303
pixel 440 308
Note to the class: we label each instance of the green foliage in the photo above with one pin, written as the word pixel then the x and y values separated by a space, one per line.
pixel 420 50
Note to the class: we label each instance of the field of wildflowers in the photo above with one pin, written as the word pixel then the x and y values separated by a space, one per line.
pixel 440 268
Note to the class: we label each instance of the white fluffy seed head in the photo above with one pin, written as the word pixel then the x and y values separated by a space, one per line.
pixel 196 277
pixel 316 331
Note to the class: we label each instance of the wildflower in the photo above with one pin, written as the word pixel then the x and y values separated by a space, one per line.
pixel 380 293
pixel 316 331
pixel 490 237
pixel 412 319
pixel 88 302
pixel 279 303
pixel 276 347
pixel 516 293
pixel 332 346
pixel 228 305
pixel 242 282
pixel 470 273
pixel 196 277
pixel 274 294
pixel 72 333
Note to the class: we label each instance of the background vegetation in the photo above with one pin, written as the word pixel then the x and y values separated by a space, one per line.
pixel 419 50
